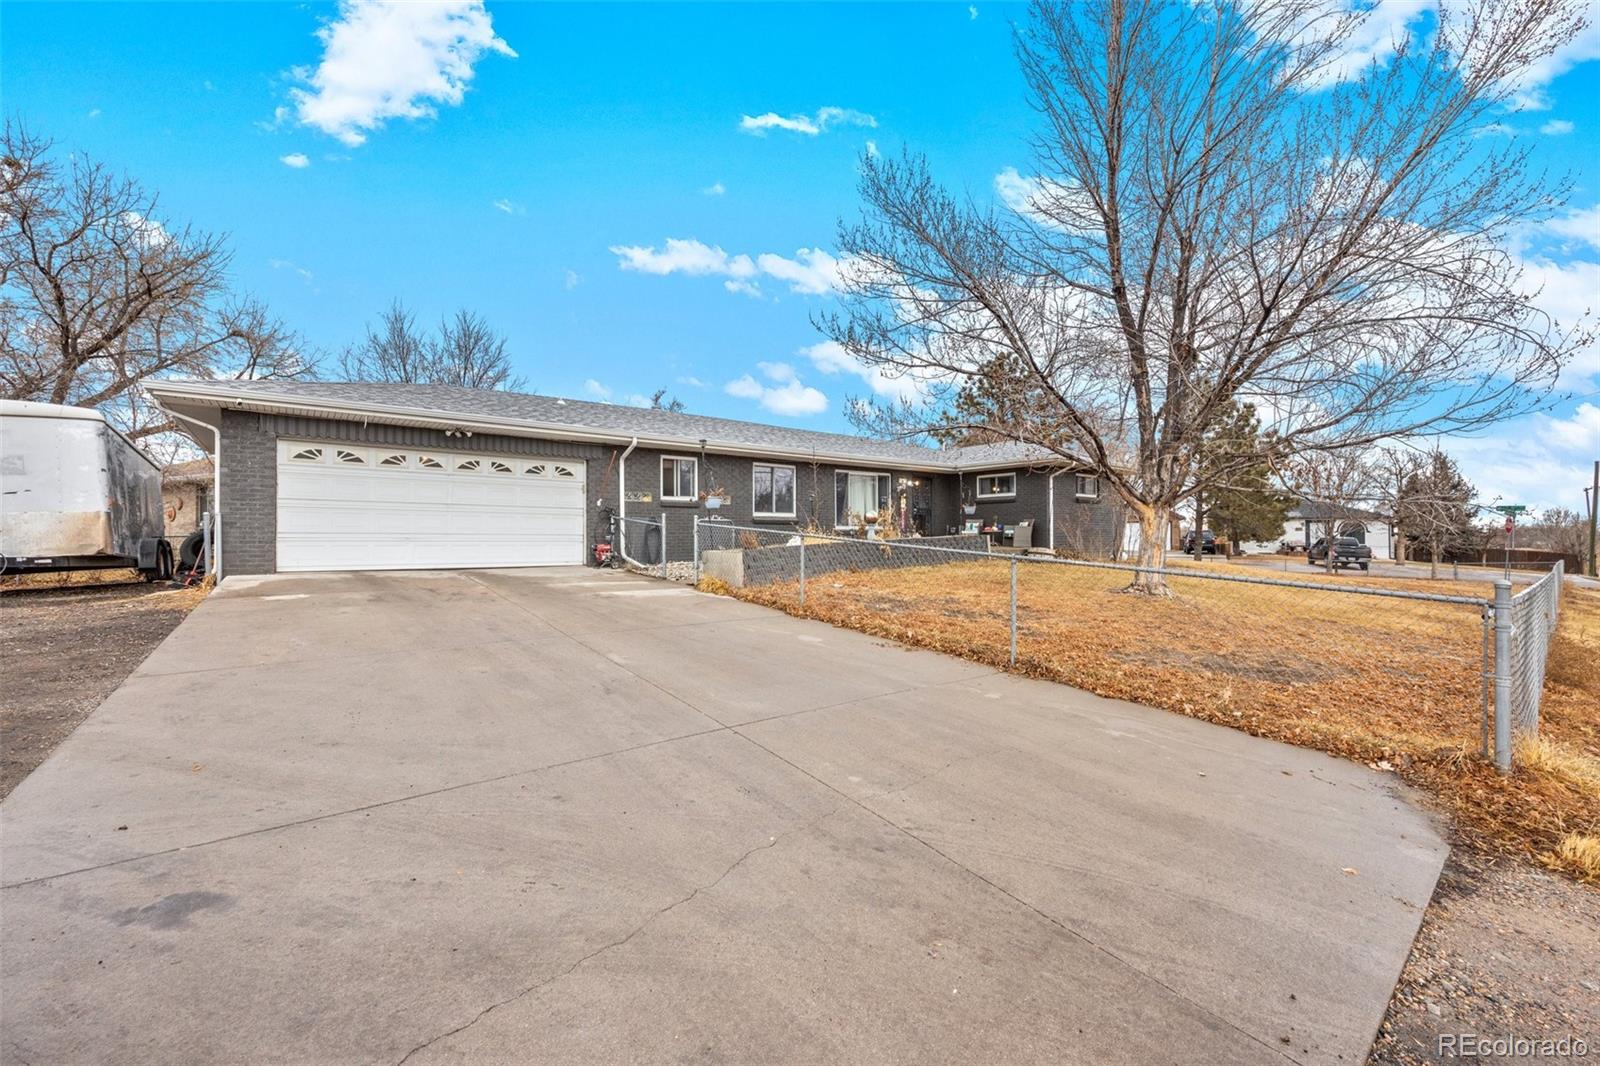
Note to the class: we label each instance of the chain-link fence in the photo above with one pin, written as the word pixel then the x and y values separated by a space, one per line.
pixel 1534 614
pixel 1336 661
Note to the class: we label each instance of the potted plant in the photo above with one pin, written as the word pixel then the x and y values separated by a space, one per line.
pixel 714 498
pixel 969 504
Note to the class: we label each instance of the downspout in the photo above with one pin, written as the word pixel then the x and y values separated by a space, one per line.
pixel 1051 507
pixel 216 486
pixel 622 503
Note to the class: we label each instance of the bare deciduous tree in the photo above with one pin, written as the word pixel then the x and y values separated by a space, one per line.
pixel 98 293
pixel 465 351
pixel 1226 207
pixel 1336 489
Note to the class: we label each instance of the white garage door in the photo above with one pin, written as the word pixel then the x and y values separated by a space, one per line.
pixel 352 507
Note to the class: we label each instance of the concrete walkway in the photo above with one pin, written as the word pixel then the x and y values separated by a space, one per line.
pixel 567 816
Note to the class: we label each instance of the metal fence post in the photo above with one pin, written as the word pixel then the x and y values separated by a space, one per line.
pixel 1485 668
pixel 661 529
pixel 802 570
pixel 1502 675
pixel 696 549
pixel 205 540
pixel 1013 611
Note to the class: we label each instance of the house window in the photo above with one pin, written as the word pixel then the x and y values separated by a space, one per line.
pixel 772 491
pixel 680 478
pixel 857 497
pixel 1088 487
pixel 996 486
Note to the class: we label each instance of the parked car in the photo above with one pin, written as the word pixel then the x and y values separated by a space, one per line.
pixel 1208 542
pixel 1347 551
pixel 76 494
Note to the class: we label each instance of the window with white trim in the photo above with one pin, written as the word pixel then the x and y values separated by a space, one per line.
pixel 1088 487
pixel 308 455
pixel 772 491
pixel 857 497
pixel 997 486
pixel 680 478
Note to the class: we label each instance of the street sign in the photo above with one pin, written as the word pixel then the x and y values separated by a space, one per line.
pixel 1509 524
pixel 1511 508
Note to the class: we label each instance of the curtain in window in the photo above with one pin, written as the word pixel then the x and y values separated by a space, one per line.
pixel 857 497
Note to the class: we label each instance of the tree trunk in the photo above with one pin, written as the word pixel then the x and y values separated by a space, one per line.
pixel 1152 551
pixel 1433 564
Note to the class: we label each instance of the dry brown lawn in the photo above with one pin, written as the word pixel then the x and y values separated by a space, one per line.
pixel 1386 681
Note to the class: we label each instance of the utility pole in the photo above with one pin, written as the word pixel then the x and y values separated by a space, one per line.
pixel 1594 511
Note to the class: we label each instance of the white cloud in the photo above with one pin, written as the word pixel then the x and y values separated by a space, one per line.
pixel 297 160
pixel 1532 87
pixel 1583 225
pixel 831 358
pixel 1578 434
pixel 510 207
pixel 714 189
pixel 1556 127
pixel 147 231
pixel 383 61
pixel 784 394
pixel 809 125
pixel 94 112
pixel 872 148
pixel 1387 25
pixel 597 390
pixel 692 382
pixel 1542 461
pixel 287 264
pixel 972 12
pixel 1567 292
pixel 1033 196
pixel 1495 129
pixel 573 280
pixel 811 271
pixel 679 256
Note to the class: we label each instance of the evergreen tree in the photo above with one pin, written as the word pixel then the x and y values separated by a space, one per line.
pixel 1434 508
pixel 1237 479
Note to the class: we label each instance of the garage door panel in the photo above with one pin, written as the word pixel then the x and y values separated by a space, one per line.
pixel 344 507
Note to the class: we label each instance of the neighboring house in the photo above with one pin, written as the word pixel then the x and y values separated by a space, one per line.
pixel 185 494
pixel 358 475
pixel 1308 520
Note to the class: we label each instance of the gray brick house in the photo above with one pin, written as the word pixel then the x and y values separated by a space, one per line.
pixel 359 475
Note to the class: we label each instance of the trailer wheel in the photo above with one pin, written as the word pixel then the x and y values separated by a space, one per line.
pixel 162 571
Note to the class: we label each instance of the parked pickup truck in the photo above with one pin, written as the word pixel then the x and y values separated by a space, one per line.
pixel 1347 551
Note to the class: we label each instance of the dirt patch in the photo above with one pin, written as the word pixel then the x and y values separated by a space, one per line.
pixel 1504 951
pixel 65 650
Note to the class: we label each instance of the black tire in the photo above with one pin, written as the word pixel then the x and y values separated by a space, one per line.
pixel 162 571
pixel 1364 566
pixel 190 551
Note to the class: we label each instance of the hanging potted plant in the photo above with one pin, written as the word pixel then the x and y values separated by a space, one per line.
pixel 969 503
pixel 714 498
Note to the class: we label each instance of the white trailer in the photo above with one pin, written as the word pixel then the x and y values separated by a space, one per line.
pixel 75 494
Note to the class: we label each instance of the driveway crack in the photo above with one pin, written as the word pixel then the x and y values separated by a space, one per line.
pixel 770 843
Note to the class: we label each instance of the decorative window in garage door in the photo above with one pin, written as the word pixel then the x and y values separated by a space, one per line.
pixel 538 470
pixel 393 460
pixel 353 458
pixel 499 467
pixel 428 462
pixel 562 471
pixel 470 465
pixel 307 455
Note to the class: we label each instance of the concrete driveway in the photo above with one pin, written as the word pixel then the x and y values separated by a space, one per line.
pixel 563 816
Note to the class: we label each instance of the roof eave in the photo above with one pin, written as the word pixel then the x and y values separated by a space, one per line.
pixel 313 407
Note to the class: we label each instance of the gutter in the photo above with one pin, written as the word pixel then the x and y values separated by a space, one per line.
pixel 213 564
pixel 622 507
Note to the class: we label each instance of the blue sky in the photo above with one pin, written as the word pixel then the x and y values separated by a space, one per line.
pixel 536 169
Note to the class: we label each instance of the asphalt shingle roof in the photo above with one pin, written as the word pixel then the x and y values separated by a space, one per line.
pixel 624 421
